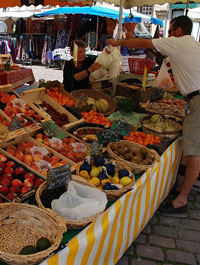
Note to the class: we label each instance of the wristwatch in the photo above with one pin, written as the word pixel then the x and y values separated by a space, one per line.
pixel 88 71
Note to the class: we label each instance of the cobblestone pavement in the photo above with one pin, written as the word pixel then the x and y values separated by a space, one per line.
pixel 167 239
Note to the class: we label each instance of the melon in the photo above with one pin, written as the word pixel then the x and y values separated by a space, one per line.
pixel 101 105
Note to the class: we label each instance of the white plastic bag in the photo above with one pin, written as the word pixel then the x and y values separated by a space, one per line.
pixel 163 79
pixel 79 202
pixel 18 103
pixel 55 142
pixel 110 64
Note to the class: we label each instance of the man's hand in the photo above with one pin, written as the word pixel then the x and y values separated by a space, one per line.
pixel 94 67
pixel 113 42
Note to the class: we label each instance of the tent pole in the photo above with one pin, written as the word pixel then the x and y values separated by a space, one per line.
pixel 114 85
pixel 187 8
pixel 97 31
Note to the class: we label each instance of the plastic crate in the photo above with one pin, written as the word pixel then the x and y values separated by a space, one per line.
pixel 136 65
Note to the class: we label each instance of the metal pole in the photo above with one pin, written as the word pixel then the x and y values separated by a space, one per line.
pixel 187 8
pixel 97 31
pixel 114 85
pixel 167 19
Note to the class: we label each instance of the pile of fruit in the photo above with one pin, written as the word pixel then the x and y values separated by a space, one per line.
pixel 161 124
pixel 68 146
pixel 16 180
pixel 104 175
pixel 59 97
pixel 132 154
pixel 14 106
pixel 175 102
pixel 95 117
pixel 99 105
pixel 88 133
pixel 42 244
pixel 142 138
pixel 48 196
pixel 4 121
pixel 59 118
pixel 34 156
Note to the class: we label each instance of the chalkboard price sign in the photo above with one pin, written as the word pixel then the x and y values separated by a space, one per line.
pixel 95 149
pixel 15 124
pixel 58 177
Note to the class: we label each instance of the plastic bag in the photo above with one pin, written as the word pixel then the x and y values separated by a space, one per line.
pixel 55 142
pixel 79 202
pixel 18 103
pixel 43 165
pixel 110 64
pixel 79 147
pixel 163 79
pixel 37 150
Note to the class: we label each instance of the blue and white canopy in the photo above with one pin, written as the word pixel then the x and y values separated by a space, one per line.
pixel 101 12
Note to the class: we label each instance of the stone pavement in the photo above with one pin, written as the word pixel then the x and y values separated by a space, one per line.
pixel 167 239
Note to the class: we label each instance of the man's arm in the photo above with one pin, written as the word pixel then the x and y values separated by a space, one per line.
pixel 132 43
pixel 83 74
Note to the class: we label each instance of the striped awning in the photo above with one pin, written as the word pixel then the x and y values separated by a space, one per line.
pixel 12 3
pixel 131 3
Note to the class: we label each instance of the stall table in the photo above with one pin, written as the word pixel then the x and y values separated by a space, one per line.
pixel 105 240
pixel 17 77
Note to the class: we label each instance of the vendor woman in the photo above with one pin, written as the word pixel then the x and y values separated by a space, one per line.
pixel 78 77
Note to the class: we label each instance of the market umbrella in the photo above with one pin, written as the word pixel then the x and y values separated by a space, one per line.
pixel 12 3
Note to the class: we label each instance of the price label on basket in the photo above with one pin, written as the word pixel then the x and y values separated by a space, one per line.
pixel 58 177
pixel 94 149
pixel 15 124
pixel 53 130
pixel 108 136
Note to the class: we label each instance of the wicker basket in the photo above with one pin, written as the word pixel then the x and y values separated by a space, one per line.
pixel 23 224
pixel 115 194
pixel 172 135
pixel 137 168
pixel 71 224
pixel 97 95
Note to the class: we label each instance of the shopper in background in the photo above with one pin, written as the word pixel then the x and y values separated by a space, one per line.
pixel 184 54
pixel 78 77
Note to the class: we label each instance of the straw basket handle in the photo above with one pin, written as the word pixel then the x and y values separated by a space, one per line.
pixel 59 219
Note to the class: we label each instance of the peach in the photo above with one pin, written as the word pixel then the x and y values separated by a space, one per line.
pixel 36 158
pixel 8 110
pixel 11 147
pixel 47 158
pixel 22 144
pixel 28 163
pixel 55 158
pixel 30 144
pixel 19 156
pixel 21 148
pixel 56 149
pixel 39 135
pixel 46 142
pixel 28 158
pixel 16 110
pixel 6 123
pixel 31 112
pixel 39 140
pixel 35 167
pixel 72 140
pixel 44 172
pixel 64 153
pixel 24 111
pixel 19 105
pixel 11 152
pixel 9 104
pixel 71 156
pixel 65 140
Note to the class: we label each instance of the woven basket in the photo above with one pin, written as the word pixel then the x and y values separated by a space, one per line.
pixel 137 168
pixel 115 194
pixel 97 95
pixel 23 224
pixel 172 135
pixel 71 224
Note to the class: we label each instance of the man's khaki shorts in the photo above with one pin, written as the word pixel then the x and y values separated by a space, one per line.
pixel 191 128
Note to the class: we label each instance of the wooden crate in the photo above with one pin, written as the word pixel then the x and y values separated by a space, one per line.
pixel 32 134
pixel 38 94
pixel 27 195
pixel 27 138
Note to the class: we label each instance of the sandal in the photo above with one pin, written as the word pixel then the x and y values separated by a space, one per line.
pixel 169 208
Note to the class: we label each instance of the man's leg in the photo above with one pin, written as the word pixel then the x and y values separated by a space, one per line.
pixel 191 175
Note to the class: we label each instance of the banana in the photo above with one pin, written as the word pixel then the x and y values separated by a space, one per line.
pixel 90 137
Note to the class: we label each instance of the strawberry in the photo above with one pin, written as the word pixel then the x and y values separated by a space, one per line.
pixel 20 171
pixel 3 189
pixel 11 164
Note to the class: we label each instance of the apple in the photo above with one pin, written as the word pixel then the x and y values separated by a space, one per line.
pixel 29 175
pixel 38 182
pixel 17 182
pixel 1 171
pixel 24 190
pixel 2 164
pixel 3 158
pixel 9 170
pixel 5 181
pixel 3 189
pixel 29 183
pixel 20 171
pixel 14 189
pixel 11 164
pixel 7 175
pixel 11 196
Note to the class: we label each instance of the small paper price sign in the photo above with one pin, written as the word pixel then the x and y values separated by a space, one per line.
pixel 94 149
pixel 58 177
pixel 122 127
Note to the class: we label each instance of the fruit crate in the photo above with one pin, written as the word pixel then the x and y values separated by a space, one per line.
pixel 37 96
pixel 28 161
pixel 4 132
pixel 17 183
pixel 66 149
pixel 8 109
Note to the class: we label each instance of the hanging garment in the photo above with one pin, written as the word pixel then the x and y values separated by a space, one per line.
pixel 9 22
pixel 3 26
pixel 29 26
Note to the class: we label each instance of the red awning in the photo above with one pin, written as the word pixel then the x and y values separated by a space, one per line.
pixel 12 3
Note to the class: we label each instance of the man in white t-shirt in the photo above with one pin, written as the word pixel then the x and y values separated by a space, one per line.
pixel 184 54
